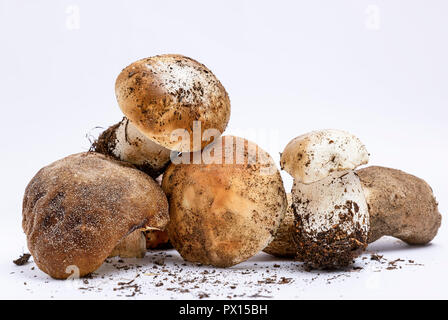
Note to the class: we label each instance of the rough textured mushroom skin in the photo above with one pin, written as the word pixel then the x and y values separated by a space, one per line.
pixel 77 209
pixel 223 214
pixel 168 92
pixel 400 205
pixel 283 245
pixel 124 142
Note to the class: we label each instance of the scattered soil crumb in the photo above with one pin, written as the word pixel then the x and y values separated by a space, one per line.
pixel 376 257
pixel 24 258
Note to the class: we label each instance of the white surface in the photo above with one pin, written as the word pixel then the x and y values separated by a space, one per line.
pixel 258 277
pixel 374 68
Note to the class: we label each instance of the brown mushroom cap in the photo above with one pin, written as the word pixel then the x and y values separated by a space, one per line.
pixel 77 209
pixel 400 205
pixel 224 213
pixel 168 92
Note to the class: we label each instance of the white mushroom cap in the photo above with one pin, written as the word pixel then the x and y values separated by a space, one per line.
pixel 313 156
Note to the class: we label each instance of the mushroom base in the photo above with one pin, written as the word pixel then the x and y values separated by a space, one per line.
pixel 332 249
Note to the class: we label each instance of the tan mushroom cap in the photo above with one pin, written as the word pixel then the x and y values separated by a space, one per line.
pixel 168 92
pixel 313 156
pixel 224 213
pixel 400 205
pixel 77 209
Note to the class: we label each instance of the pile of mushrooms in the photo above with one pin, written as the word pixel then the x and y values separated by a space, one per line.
pixel 164 175
pixel 335 210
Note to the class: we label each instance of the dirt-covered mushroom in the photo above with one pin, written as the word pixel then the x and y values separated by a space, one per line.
pixel 169 92
pixel 400 205
pixel 226 208
pixel 77 209
pixel 125 142
pixel 313 156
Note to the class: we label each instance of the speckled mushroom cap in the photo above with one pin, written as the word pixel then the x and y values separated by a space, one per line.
pixel 313 156
pixel 400 205
pixel 224 213
pixel 168 92
pixel 77 209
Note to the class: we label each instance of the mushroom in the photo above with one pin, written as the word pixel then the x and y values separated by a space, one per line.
pixel 78 209
pixel 331 215
pixel 227 207
pixel 399 204
pixel 171 96
pixel 125 142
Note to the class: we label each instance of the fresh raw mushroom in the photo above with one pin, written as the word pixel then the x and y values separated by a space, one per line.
pixel 225 211
pixel 78 209
pixel 400 205
pixel 331 215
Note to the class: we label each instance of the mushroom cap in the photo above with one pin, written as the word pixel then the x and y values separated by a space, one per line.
pixel 332 220
pixel 168 92
pixel 313 156
pixel 400 205
pixel 224 213
pixel 77 209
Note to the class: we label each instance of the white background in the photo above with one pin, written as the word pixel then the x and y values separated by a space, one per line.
pixel 375 68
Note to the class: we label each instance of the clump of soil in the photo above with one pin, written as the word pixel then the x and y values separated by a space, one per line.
pixel 22 260
pixel 332 249
pixel 105 144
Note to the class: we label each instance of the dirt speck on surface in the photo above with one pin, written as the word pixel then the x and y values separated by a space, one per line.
pixel 376 257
